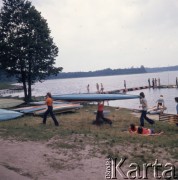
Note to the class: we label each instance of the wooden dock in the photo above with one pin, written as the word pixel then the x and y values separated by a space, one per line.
pixel 139 88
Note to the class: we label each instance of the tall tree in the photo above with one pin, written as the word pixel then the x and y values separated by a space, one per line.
pixel 27 50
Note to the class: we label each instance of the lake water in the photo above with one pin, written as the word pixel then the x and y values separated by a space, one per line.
pixel 79 85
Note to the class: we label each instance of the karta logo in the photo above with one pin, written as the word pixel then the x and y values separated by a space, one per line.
pixel 114 170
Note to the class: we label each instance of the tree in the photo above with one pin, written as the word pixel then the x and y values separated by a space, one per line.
pixel 27 50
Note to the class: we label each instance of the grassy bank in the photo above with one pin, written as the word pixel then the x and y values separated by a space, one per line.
pixel 76 131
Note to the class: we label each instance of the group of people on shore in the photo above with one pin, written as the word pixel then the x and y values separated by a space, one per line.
pixel 100 119
pixel 99 88
pixel 141 129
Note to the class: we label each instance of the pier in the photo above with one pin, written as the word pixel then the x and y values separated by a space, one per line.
pixel 139 88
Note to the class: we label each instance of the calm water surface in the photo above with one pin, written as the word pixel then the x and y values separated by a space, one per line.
pixel 78 85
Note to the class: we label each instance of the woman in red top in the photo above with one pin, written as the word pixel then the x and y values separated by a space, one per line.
pixel 141 130
pixel 147 132
pixel 49 103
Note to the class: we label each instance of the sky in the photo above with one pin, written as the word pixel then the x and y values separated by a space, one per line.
pixel 97 34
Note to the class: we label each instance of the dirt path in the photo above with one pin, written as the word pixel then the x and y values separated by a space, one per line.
pixel 37 160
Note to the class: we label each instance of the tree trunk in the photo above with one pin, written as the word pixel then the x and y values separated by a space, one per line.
pixel 24 87
pixel 29 90
pixel 29 82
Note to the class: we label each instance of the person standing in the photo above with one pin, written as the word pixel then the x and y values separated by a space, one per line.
pixel 97 88
pixel 125 84
pixel 49 103
pixel 88 88
pixel 149 82
pixel 176 99
pixel 159 83
pixel 153 83
pixel 102 88
pixel 144 106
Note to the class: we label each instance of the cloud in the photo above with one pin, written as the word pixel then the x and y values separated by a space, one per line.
pixel 97 34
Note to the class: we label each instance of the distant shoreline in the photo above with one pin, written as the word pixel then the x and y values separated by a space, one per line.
pixel 113 72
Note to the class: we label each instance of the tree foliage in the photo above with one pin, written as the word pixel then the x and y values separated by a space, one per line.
pixel 27 50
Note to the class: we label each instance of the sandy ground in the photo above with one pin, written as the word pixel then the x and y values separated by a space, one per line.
pixel 37 160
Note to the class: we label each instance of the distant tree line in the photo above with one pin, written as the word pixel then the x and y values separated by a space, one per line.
pixel 105 72
pixel 162 69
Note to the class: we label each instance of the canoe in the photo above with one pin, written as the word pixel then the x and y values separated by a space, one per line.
pixel 30 109
pixel 43 102
pixel 8 114
pixel 155 110
pixel 93 97
pixel 60 108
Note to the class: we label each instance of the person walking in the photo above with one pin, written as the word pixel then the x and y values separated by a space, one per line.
pixel 144 106
pixel 49 103
pixel 100 119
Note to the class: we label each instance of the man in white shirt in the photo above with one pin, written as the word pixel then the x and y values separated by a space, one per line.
pixel 143 116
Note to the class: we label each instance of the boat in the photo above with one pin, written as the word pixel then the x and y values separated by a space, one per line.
pixel 30 109
pixel 43 102
pixel 93 97
pixel 9 114
pixel 60 108
pixel 155 110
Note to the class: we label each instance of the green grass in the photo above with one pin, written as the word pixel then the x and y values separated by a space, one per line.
pixel 76 131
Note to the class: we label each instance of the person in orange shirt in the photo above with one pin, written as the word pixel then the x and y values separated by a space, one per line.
pixel 49 103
